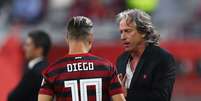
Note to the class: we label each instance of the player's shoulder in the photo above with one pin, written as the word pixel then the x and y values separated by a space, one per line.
pixel 64 59
pixel 52 66
pixel 68 58
pixel 106 61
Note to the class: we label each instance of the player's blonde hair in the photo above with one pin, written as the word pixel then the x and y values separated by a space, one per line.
pixel 79 27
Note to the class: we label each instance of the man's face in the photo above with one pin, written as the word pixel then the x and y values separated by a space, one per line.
pixel 130 37
pixel 30 49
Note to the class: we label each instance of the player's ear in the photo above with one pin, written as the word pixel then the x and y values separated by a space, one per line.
pixel 143 35
pixel 91 38
pixel 66 39
pixel 90 41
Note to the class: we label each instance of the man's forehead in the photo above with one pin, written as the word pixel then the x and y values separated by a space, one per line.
pixel 29 39
pixel 125 23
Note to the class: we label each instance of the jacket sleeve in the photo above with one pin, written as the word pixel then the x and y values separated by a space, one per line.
pixel 25 88
pixel 28 87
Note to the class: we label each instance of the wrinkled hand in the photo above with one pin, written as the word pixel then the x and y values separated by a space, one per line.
pixel 122 80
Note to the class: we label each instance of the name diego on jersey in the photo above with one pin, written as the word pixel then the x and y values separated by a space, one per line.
pixel 80 66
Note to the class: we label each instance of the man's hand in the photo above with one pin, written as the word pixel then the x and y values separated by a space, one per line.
pixel 122 80
pixel 118 97
pixel 42 97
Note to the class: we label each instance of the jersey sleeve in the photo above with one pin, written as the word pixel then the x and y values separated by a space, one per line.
pixel 115 86
pixel 46 86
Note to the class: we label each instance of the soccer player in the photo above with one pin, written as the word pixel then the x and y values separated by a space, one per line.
pixel 80 76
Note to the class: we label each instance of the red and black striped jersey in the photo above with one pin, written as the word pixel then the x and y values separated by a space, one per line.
pixel 81 77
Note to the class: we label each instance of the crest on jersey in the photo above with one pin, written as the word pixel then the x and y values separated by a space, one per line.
pixel 78 57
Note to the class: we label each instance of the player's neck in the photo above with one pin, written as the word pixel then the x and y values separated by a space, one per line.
pixel 77 48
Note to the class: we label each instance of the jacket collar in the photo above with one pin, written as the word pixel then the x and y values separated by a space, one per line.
pixel 145 56
pixel 33 62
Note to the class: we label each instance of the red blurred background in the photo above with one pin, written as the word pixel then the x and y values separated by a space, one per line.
pixel 178 21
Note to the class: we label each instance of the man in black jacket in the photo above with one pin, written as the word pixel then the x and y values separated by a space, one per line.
pixel 37 47
pixel 147 71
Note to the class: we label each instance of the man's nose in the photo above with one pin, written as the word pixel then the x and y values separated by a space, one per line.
pixel 123 37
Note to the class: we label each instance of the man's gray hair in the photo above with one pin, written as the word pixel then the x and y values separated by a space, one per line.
pixel 143 24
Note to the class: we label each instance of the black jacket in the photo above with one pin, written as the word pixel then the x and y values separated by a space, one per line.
pixel 154 77
pixel 28 87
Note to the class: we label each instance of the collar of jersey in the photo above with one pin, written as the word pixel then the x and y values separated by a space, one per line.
pixel 81 54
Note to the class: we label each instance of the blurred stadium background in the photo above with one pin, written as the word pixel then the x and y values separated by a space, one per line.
pixel 178 21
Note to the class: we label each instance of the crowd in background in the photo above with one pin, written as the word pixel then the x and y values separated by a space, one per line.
pixel 173 18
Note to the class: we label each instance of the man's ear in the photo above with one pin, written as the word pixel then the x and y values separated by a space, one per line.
pixel 39 50
pixel 143 35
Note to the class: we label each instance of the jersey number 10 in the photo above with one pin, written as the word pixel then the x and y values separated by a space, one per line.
pixel 73 84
